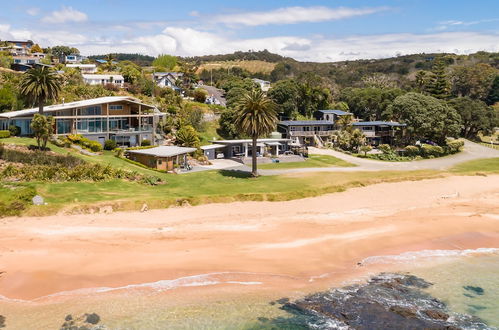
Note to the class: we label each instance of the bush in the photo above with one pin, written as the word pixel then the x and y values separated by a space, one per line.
pixel 14 130
pixel 145 143
pixel 411 151
pixel 454 146
pixel 385 148
pixel 38 158
pixel 4 134
pixel 118 152
pixel 428 150
pixel 84 142
pixel 110 145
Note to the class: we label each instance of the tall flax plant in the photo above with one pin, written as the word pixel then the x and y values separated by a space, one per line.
pixel 256 116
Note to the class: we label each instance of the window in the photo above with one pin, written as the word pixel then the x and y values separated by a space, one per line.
pixel 63 126
pixel 367 128
pixel 91 111
pixel 115 107
pixel 160 162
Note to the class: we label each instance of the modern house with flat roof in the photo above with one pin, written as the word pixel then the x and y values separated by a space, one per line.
pixel 123 119
pixel 330 115
pixel 165 158
pixel 306 132
pixel 104 79
pixel 84 68
pixel 243 148
pixel 380 132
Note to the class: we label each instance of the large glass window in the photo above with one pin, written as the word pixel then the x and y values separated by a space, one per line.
pixel 116 106
pixel 63 126
pixel 91 125
pixel 91 111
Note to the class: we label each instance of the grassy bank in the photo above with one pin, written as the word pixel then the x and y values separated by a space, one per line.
pixel 312 161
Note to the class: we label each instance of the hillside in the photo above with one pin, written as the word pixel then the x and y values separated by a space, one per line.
pixel 252 66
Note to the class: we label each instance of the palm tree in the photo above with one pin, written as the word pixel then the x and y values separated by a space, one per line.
pixel 256 116
pixel 39 85
pixel 109 61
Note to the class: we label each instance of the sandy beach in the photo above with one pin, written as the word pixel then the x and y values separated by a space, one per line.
pixel 294 244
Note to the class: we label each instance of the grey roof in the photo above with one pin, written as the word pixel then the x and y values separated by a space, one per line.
pixel 336 112
pixel 163 151
pixel 103 76
pixel 77 104
pixel 305 122
pixel 378 123
pixel 213 146
pixel 249 141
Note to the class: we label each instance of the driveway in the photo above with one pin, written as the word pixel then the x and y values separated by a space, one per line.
pixel 217 164
pixel 471 151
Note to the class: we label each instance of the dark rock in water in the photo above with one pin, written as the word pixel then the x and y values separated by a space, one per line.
pixel 92 318
pixel 436 314
pixel 475 289
pixel 2 321
pixel 468 295
pixel 387 301
pixel 282 301
pixel 68 317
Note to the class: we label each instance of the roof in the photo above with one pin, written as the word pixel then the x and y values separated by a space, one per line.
pixel 81 65
pixel 378 123
pixel 213 146
pixel 163 151
pixel 336 112
pixel 249 141
pixel 305 122
pixel 77 104
pixel 260 81
pixel 102 76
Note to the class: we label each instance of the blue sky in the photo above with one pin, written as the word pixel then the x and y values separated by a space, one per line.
pixel 314 30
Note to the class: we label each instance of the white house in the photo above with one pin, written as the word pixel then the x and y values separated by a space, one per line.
pixel 74 58
pixel 104 79
pixel 264 85
pixel 168 79
pixel 84 68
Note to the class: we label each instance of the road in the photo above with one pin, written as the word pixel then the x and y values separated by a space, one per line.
pixel 217 93
pixel 471 151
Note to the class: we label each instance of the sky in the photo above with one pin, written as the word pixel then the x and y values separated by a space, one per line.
pixel 312 30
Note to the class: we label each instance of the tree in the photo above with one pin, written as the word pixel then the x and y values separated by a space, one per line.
pixel 6 60
pixel 39 85
pixel 200 95
pixel 165 62
pixel 286 94
pixel 438 85
pixel 476 116
pixel 110 61
pixel 256 116
pixel 474 81
pixel 130 71
pixel 61 51
pixel 369 103
pixel 187 137
pixel 422 80
pixel 493 95
pixel 426 117
pixel 43 128
pixel 227 129
pixel 36 49
pixel 8 98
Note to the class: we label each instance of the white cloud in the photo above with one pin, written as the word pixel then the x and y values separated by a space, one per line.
pixel 292 15
pixel 33 11
pixel 66 14
pixel 452 23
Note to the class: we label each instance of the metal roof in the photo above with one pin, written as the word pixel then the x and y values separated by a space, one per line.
pixel 249 141
pixel 103 76
pixel 305 122
pixel 213 146
pixel 378 123
pixel 77 104
pixel 163 151
pixel 336 112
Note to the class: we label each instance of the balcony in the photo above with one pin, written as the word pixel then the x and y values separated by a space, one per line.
pixel 310 133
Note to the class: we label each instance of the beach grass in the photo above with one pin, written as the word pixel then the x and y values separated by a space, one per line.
pixel 311 161
pixel 488 165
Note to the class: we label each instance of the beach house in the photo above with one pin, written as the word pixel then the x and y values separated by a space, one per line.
pixel 104 79
pixel 165 158
pixel 380 132
pixel 126 120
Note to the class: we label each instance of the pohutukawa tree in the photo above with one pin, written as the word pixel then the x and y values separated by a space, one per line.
pixel 256 116
pixel 40 85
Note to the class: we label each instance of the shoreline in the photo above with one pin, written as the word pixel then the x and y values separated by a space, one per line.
pixel 294 241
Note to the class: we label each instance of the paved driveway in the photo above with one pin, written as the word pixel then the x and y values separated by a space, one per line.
pixel 471 151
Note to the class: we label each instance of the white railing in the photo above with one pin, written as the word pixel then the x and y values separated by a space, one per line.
pixel 310 133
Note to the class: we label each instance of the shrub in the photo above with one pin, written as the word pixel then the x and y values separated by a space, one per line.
pixel 110 145
pixel 38 158
pixel 428 150
pixel 385 148
pixel 92 145
pixel 365 149
pixel 14 130
pixel 454 146
pixel 4 134
pixel 411 151
pixel 145 143
pixel 118 152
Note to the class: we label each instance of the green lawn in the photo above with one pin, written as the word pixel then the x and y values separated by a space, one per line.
pixel 490 165
pixel 312 161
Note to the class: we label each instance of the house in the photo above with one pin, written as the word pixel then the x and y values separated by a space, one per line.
pixel 104 79
pixel 26 59
pixel 165 158
pixel 168 79
pixel 84 68
pixel 307 132
pixel 380 132
pixel 243 148
pixel 74 58
pixel 264 85
pixel 123 119
pixel 18 47
pixel 330 115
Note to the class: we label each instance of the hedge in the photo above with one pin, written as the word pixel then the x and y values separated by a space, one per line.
pixel 4 134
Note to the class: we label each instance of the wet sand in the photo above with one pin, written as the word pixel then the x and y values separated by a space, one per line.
pixel 276 248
